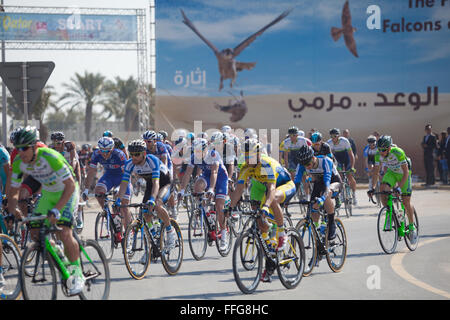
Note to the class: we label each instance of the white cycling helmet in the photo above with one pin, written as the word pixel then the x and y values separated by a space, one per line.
pixel 217 138
pixel 226 129
pixel 105 143
pixel 149 135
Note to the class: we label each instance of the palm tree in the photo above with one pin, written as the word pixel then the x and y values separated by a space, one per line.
pixel 85 91
pixel 122 101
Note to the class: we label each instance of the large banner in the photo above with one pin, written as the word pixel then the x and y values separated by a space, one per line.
pixel 68 27
pixel 366 66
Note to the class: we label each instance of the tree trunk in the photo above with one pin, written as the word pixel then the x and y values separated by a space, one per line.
pixel 88 121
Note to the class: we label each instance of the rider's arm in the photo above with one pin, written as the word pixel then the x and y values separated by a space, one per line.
pixel 352 157
pixel 69 188
pixel 7 169
pixel 186 177
pixel 376 170
pixel 271 189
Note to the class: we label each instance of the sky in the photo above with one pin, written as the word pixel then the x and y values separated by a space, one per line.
pixel 298 54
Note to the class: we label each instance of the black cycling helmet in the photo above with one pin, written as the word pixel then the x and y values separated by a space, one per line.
pixel 335 131
pixel 304 155
pixel 25 137
pixel 293 130
pixel 384 142
pixel 137 146
pixel 57 136
pixel 316 137
pixel 13 134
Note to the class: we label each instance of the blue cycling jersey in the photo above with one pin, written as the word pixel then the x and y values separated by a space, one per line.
pixel 152 168
pixel 325 167
pixel 112 165
pixel 161 150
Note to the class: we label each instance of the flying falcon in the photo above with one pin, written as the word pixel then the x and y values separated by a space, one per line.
pixel 347 29
pixel 238 109
pixel 228 66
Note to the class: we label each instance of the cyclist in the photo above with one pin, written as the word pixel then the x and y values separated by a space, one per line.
pixel 158 179
pixel 279 188
pixel 342 151
pixel 398 172
pixel 326 181
pixel 59 194
pixel 320 147
pixel 68 150
pixel 159 149
pixel 113 162
pixel 214 179
pixel 370 150
pixel 30 185
pixel 292 144
pixel 118 144
pixel 4 168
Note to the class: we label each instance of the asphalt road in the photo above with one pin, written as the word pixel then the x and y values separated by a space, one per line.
pixel 368 272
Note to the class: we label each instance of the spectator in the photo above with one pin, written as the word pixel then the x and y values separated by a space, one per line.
pixel 346 134
pixel 428 145
pixel 442 161
pixel 447 148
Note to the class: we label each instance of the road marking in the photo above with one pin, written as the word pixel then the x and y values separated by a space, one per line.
pixel 396 264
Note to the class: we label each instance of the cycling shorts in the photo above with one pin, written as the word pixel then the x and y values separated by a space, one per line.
pixel 221 188
pixel 48 201
pixel 109 181
pixel 391 178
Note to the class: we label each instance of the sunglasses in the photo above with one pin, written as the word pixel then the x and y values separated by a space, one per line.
pixel 334 135
pixel 382 149
pixel 57 142
pixel 23 149
pixel 105 150
pixel 136 154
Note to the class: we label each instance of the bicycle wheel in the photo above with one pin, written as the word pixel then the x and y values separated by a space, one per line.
pixel 291 260
pixel 309 237
pixel 37 275
pixel 229 235
pixel 247 262
pixel 411 246
pixel 337 248
pixel 95 271
pixel 11 289
pixel 287 221
pixel 387 231
pixel 104 234
pixel 171 256
pixel 197 235
pixel 137 250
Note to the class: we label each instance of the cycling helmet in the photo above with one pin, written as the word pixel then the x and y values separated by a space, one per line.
pixel 57 136
pixel 105 143
pixel 200 142
pixel 108 133
pixel 164 134
pixel 371 139
pixel 13 134
pixel 149 135
pixel 190 136
pixel 252 147
pixel 137 146
pixel 335 131
pixel 85 146
pixel 316 137
pixel 25 137
pixel 304 155
pixel 217 138
pixel 159 137
pixel 384 142
pixel 226 129
pixel 293 130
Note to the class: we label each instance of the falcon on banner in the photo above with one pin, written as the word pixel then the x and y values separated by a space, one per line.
pixel 347 29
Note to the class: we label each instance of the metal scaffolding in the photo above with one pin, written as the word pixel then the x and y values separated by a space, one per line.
pixel 146 80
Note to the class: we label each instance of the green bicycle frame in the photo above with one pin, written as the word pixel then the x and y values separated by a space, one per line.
pixel 62 267
pixel 389 211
